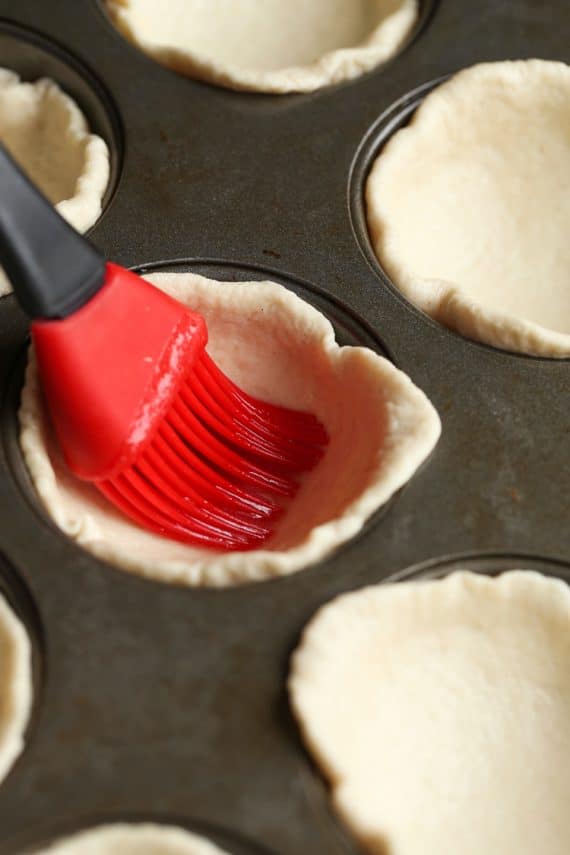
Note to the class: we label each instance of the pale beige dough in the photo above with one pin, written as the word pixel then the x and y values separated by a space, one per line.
pixel 468 207
pixel 123 839
pixel 268 46
pixel 47 134
pixel 15 686
pixel 440 710
pixel 279 348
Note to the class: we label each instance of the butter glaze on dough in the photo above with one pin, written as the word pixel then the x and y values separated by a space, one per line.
pixel 468 207
pixel 123 839
pixel 272 46
pixel 382 428
pixel 439 712
pixel 47 134
pixel 15 686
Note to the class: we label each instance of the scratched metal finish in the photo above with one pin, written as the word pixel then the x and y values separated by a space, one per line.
pixel 158 702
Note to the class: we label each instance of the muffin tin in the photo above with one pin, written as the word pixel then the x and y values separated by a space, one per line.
pixel 155 702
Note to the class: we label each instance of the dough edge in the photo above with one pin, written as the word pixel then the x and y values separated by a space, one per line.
pixel 413 432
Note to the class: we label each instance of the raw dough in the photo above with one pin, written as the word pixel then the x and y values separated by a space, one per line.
pixel 440 712
pixel 468 207
pixel 125 839
pixel 279 348
pixel 47 134
pixel 15 686
pixel 269 46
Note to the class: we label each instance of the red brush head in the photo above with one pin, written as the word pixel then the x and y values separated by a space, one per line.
pixel 110 370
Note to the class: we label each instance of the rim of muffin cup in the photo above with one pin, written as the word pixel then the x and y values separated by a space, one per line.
pixel 485 562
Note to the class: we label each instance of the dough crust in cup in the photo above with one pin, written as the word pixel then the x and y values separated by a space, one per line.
pixel 281 349
pixel 438 711
pixel 272 46
pixel 47 134
pixel 468 210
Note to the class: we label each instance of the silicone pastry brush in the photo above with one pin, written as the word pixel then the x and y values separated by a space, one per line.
pixel 138 406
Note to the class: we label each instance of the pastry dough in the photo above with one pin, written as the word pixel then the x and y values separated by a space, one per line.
pixel 123 839
pixel 440 710
pixel 15 686
pixel 468 206
pixel 47 134
pixel 279 348
pixel 268 46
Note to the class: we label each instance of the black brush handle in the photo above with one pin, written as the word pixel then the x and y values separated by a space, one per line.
pixel 53 269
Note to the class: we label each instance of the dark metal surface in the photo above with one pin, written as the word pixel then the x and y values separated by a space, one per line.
pixel 171 702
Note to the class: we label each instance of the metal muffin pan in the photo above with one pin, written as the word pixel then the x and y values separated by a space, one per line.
pixel 154 701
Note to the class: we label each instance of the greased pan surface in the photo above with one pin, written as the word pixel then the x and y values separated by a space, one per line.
pixel 158 702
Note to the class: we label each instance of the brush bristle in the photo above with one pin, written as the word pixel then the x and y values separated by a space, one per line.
pixel 221 466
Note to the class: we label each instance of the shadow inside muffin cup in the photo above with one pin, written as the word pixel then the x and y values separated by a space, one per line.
pixel 293 545
pixel 32 56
